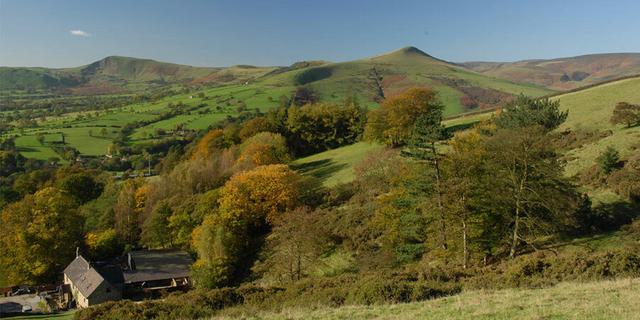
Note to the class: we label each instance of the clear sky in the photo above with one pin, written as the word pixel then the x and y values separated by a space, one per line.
pixel 63 33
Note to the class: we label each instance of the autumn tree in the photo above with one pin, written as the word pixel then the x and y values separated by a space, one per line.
pixel 260 195
pixel 255 126
pixel 393 122
pixel 39 236
pixel 128 211
pixel 228 239
pixel 627 114
pixel 262 149
pixel 211 141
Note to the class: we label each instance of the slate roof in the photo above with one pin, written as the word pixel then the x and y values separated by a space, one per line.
pixel 83 276
pixel 150 265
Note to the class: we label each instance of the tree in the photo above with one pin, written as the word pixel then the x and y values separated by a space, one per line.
pixel 255 126
pixel 294 244
pixel 609 160
pixel 155 230
pixel 528 185
pixel 103 244
pixel 40 137
pixel 128 210
pixel 322 126
pixel 262 149
pixel 426 131
pixel 229 238
pixel 82 186
pixel 260 195
pixel 526 111
pixel 303 96
pixel 627 114
pixel 39 236
pixel 464 167
pixel 393 122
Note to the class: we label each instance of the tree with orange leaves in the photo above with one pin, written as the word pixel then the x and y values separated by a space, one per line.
pixel 393 122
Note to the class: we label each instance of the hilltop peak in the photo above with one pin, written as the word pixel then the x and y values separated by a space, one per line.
pixel 412 50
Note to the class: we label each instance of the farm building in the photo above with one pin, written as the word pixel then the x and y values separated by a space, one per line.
pixel 157 269
pixel 141 272
pixel 90 286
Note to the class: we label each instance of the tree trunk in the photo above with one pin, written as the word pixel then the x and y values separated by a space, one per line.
pixel 514 240
pixel 443 234
pixel 465 259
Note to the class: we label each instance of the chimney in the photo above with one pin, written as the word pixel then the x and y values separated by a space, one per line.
pixel 77 252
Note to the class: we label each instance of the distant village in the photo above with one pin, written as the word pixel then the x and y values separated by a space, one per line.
pixel 136 275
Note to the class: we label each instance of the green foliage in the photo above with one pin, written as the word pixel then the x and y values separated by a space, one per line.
pixel 526 111
pixel 322 126
pixel 82 186
pixel 609 160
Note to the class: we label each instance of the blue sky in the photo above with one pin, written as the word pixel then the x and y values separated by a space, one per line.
pixel 280 32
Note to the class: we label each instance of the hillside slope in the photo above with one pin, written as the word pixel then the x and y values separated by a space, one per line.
pixel 595 300
pixel 459 89
pixel 121 74
pixel 589 112
pixel 563 73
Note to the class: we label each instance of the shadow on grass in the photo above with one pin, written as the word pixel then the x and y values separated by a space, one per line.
pixel 26 149
pixel 602 223
pixel 461 127
pixel 321 169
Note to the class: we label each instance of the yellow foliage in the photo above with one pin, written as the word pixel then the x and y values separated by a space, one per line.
pixel 259 194
pixel 211 141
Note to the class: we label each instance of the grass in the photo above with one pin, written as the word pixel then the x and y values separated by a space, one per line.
pixel 590 110
pixel 67 315
pixel 595 300
pixel 335 166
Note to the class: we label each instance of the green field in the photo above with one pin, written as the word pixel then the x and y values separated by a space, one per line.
pixel 600 300
pixel 590 110
pixel 335 166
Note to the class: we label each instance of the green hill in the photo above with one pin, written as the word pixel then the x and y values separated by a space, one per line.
pixel 563 73
pixel 589 112
pixel 121 74
pixel 459 89
pixel 370 79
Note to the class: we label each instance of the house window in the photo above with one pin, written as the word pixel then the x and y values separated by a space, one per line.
pixel 108 289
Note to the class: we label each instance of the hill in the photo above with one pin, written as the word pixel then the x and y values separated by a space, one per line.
pixel 371 79
pixel 385 75
pixel 121 74
pixel 563 73
pixel 594 300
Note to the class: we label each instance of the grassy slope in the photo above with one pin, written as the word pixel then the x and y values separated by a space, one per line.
pixel 335 166
pixel 590 110
pixel 402 69
pixel 68 315
pixel 596 300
